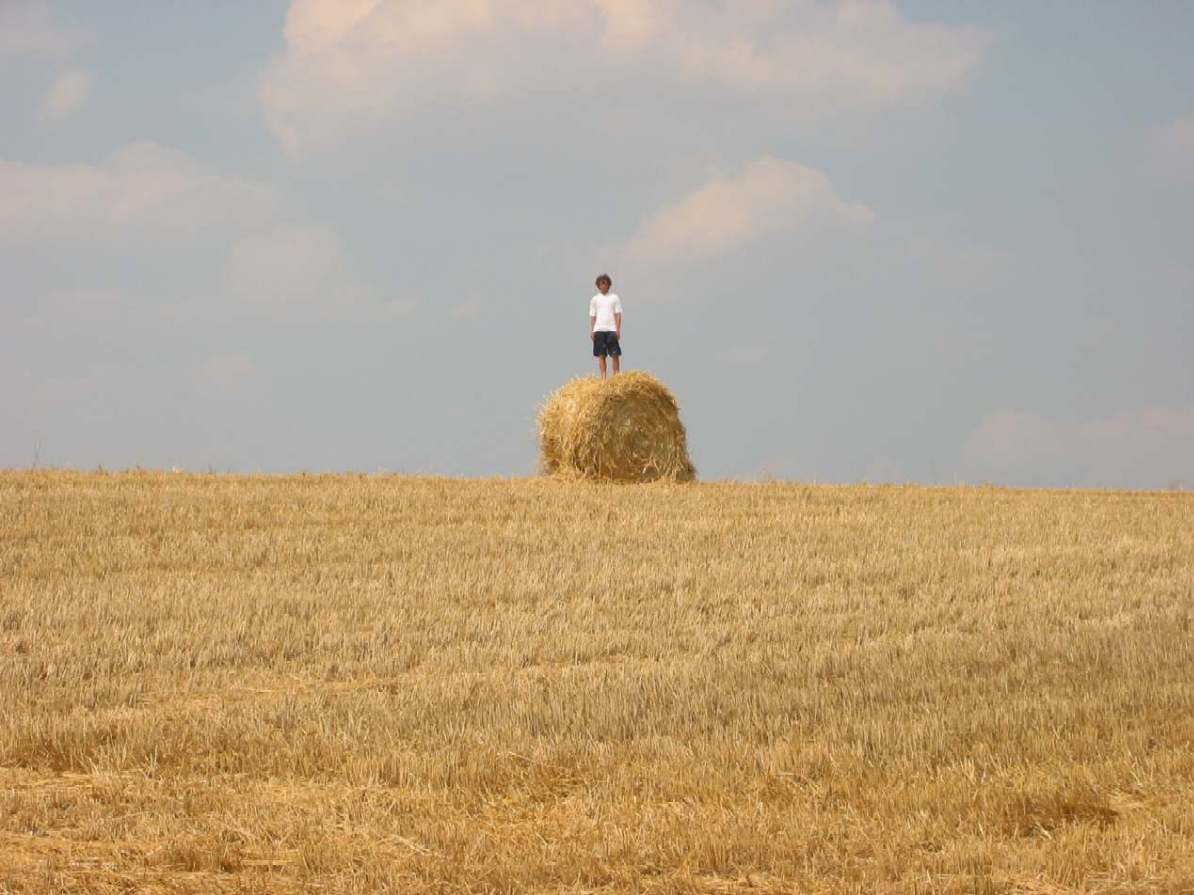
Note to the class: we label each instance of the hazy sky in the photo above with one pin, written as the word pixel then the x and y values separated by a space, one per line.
pixel 863 240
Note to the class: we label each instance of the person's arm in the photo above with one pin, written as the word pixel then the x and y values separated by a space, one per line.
pixel 618 324
pixel 592 324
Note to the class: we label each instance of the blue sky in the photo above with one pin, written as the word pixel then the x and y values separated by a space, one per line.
pixel 914 241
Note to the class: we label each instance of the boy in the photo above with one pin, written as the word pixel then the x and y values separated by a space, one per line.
pixel 605 325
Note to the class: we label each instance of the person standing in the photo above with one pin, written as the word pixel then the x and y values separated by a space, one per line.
pixel 605 325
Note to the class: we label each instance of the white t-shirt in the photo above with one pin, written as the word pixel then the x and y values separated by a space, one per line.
pixel 603 307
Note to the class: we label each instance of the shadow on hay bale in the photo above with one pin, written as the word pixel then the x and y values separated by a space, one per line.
pixel 626 429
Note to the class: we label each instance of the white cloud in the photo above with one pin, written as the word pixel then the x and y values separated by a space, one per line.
pixel 1175 146
pixel 468 310
pixel 78 307
pixel 156 191
pixel 883 470
pixel 276 262
pixel 956 263
pixel 228 372
pixel 349 67
pixel 783 467
pixel 302 271
pixel 768 196
pixel 381 310
pixel 65 390
pixel 66 95
pixel 1153 447
pixel 288 265
pixel 852 51
pixel 28 29
pixel 313 26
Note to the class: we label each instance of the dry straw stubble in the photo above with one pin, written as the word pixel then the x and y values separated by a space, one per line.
pixel 625 429
pixel 345 684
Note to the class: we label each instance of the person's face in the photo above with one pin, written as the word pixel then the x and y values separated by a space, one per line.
pixel 604 287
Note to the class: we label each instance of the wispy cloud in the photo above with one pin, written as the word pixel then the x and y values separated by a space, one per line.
pixel 30 29
pixel 277 263
pixel 76 308
pixel 290 267
pixel 228 372
pixel 143 188
pixel 467 310
pixel 1174 143
pixel 1153 447
pixel 347 66
pixel 302 271
pixel 66 95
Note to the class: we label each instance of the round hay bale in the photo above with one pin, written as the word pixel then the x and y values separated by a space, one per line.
pixel 626 429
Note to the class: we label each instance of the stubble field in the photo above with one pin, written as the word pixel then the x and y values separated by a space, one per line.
pixel 347 684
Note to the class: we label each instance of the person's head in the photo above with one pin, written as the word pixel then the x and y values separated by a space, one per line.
pixel 604 282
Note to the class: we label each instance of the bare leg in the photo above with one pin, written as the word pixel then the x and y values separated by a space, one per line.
pixel 601 365
pixel 617 364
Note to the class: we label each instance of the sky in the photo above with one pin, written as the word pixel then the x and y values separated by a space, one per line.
pixel 862 241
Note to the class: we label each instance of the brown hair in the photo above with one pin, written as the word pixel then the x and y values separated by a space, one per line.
pixel 605 277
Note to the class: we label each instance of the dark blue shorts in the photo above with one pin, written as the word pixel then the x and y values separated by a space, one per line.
pixel 606 343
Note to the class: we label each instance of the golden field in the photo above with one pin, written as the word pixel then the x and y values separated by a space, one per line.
pixel 351 684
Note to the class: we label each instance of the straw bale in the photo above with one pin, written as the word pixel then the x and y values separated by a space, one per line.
pixel 626 429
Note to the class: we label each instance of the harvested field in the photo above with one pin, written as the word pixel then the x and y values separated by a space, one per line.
pixel 346 684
